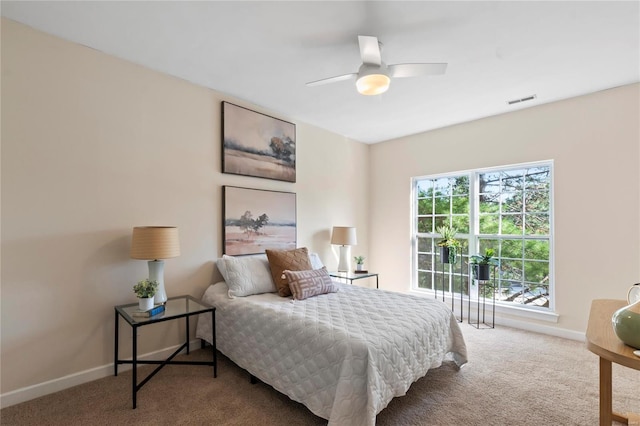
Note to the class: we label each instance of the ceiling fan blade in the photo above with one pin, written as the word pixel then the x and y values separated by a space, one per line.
pixel 369 50
pixel 332 79
pixel 416 70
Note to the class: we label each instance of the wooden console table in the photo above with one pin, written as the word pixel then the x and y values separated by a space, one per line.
pixel 602 341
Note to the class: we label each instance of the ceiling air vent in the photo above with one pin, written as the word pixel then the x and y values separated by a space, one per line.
pixel 517 101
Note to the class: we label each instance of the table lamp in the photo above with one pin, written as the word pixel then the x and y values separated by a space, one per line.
pixel 345 237
pixel 154 243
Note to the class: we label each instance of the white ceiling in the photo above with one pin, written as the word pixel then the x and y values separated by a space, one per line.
pixel 264 52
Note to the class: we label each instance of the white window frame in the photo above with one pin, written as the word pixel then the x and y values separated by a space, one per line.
pixel 545 313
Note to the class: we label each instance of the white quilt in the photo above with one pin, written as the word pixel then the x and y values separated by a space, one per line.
pixel 344 355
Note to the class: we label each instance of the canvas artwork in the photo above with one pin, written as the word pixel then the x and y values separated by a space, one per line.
pixel 255 144
pixel 256 220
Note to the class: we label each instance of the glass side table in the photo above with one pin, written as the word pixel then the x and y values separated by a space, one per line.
pixel 352 276
pixel 175 308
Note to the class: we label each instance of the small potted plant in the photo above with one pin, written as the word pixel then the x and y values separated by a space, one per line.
pixel 145 290
pixel 359 262
pixel 481 264
pixel 448 244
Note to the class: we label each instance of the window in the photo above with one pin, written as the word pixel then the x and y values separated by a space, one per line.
pixel 505 209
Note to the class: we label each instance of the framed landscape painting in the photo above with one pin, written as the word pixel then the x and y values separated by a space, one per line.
pixel 256 220
pixel 258 145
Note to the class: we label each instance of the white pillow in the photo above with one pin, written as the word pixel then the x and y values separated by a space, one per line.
pixel 247 275
pixel 222 268
pixel 316 263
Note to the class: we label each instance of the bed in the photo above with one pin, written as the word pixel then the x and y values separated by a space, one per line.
pixel 344 354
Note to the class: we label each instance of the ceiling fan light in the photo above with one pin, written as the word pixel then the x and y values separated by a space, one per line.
pixel 373 84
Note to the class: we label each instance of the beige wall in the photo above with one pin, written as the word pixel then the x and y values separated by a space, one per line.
pixel 594 142
pixel 92 146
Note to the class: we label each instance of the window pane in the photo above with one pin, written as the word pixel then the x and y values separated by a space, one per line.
pixel 512 249
pixel 536 271
pixel 488 244
pixel 460 266
pixel 538 178
pixel 511 270
pixel 536 250
pixel 425 206
pixel 424 280
pixel 538 294
pixel 536 201
pixel 489 182
pixel 464 247
pixel 424 244
pixel 442 205
pixel 517 291
pixel 537 224
pixel 461 223
pixel 438 221
pixel 512 180
pixel 511 224
pixel 512 202
pixel 489 203
pixel 425 262
pixel 424 187
pixel 460 285
pixel 489 224
pixel 441 186
pixel 460 205
pixel 486 291
pixel 460 186
pixel 425 224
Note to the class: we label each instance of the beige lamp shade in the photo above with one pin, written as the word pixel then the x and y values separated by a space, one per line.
pixel 155 242
pixel 344 236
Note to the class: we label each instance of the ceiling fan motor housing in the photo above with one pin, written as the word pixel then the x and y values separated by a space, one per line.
pixel 373 79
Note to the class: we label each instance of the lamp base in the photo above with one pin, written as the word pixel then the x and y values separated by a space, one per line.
pixel 345 259
pixel 156 272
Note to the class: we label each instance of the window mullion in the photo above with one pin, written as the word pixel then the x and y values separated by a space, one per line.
pixel 474 209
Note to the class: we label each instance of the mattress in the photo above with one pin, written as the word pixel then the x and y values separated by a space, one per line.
pixel 343 355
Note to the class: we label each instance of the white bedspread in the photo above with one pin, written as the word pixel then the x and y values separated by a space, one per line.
pixel 344 355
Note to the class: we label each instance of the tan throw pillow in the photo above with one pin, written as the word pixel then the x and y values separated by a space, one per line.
pixel 292 260
pixel 305 284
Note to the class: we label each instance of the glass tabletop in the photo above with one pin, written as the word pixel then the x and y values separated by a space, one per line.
pixel 352 275
pixel 175 307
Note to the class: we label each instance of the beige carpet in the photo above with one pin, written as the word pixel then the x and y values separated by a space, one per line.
pixel 513 378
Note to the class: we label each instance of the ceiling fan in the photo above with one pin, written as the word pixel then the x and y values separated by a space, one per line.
pixel 374 75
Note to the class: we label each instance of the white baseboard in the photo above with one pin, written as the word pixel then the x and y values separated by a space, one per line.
pixel 34 391
pixel 543 329
pixel 514 322
pixel 527 325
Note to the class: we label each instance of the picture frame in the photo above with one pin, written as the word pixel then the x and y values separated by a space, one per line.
pixel 258 145
pixel 257 219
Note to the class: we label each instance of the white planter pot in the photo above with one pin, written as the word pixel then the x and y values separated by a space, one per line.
pixel 359 267
pixel 145 303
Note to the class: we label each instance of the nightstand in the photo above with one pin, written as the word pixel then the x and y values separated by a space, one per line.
pixel 352 276
pixel 175 308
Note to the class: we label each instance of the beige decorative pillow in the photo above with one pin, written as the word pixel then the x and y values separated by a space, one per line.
pixel 292 260
pixel 305 284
